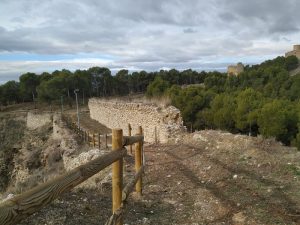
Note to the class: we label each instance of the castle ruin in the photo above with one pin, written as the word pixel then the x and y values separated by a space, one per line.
pixel 295 52
pixel 235 69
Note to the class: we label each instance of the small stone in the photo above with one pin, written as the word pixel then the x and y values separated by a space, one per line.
pixel 239 218
pixel 235 176
pixel 169 176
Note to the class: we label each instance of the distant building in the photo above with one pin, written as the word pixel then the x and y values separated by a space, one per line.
pixel 235 69
pixel 295 52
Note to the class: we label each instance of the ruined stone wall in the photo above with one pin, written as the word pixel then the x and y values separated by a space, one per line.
pixel 235 69
pixel 295 52
pixel 159 123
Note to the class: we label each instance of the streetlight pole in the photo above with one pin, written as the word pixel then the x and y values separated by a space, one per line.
pixel 75 92
pixel 62 104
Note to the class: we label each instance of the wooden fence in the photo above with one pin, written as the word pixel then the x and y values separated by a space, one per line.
pixel 93 139
pixel 20 207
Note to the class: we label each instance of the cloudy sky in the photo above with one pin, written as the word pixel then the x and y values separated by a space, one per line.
pixel 39 36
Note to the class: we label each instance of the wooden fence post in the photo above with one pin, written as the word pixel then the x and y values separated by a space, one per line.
pixel 138 162
pixel 117 173
pixel 99 141
pixel 94 141
pixel 129 134
pixel 105 141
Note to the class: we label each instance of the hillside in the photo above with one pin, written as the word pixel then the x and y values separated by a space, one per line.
pixel 209 177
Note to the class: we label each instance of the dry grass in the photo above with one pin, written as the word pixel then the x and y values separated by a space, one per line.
pixel 163 101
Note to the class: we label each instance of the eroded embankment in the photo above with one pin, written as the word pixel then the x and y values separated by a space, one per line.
pixel 12 128
pixel 35 147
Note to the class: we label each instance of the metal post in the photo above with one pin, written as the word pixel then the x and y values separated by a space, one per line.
pixel 75 92
pixel 62 104
pixel 82 97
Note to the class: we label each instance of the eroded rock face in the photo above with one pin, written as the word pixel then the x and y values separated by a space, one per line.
pixel 161 124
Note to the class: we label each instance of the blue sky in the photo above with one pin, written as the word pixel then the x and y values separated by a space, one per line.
pixel 37 36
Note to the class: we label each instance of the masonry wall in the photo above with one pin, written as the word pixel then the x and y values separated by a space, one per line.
pixel 159 123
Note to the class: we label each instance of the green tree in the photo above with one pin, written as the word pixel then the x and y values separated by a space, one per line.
pixel 28 85
pixel 291 62
pixel 52 89
pixel 221 112
pixel 157 88
pixel 10 92
pixel 278 119
pixel 248 103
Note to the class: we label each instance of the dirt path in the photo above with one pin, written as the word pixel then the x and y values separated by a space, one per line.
pixel 191 185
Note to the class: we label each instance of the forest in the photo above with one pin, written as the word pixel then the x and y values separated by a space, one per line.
pixel 263 100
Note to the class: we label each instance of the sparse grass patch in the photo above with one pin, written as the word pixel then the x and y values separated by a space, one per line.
pixel 11 133
pixel 294 169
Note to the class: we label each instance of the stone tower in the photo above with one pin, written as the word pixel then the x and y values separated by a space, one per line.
pixel 235 69
pixel 295 52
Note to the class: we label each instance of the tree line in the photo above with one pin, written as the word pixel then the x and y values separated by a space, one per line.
pixel 94 82
pixel 264 99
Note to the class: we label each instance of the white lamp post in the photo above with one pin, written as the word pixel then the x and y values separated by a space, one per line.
pixel 75 92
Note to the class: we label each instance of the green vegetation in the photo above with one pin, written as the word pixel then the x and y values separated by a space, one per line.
pixel 264 99
pixel 11 133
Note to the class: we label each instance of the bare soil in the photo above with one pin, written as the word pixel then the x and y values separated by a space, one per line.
pixel 213 178
pixel 208 177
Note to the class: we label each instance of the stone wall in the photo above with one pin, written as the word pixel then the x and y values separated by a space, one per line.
pixel 295 52
pixel 36 120
pixel 159 123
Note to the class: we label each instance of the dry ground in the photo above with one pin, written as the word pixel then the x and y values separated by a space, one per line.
pixel 209 177
pixel 212 178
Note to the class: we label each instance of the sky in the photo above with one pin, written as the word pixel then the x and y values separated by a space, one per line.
pixel 38 36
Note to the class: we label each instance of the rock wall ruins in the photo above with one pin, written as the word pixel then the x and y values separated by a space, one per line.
pixel 295 52
pixel 161 124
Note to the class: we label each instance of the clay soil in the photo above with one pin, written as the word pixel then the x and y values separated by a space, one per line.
pixel 208 178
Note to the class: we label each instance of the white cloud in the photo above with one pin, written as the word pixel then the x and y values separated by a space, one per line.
pixel 145 34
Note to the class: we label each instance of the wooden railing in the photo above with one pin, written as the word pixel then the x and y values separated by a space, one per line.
pixel 93 139
pixel 20 207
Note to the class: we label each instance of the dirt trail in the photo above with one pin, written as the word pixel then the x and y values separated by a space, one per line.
pixel 194 186
pixel 191 184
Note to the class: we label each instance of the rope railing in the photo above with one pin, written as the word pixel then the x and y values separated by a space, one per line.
pixel 22 206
